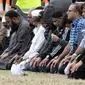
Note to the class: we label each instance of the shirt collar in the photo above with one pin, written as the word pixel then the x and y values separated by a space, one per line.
pixel 76 21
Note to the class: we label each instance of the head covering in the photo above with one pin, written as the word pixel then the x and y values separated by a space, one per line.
pixel 48 12
pixel 36 13
pixel 11 13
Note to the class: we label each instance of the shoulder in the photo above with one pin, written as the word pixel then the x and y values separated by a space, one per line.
pixel 81 20
pixel 25 23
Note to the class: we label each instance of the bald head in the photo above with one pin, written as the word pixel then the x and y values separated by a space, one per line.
pixel 76 7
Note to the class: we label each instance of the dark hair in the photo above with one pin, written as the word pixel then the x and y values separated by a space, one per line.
pixel 48 12
pixel 65 20
pixel 77 8
pixel 37 18
pixel 41 14
pixel 57 14
pixel 12 13
pixel 83 6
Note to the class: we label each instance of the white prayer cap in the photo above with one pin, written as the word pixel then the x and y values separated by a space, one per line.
pixel 36 13
pixel 79 2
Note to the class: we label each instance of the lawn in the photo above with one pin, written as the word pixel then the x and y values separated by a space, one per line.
pixel 33 78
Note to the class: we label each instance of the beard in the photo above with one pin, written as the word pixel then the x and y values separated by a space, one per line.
pixel 14 27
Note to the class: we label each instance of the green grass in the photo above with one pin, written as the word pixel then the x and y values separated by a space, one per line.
pixel 33 78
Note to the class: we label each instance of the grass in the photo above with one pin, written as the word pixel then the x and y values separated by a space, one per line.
pixel 33 78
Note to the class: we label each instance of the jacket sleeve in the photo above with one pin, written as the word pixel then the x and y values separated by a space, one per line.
pixel 47 48
pixel 21 34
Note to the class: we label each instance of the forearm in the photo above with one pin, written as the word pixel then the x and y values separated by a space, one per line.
pixel 65 52
pixel 15 49
pixel 82 56
pixel 79 51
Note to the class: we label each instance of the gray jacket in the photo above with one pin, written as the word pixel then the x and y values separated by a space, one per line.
pixel 18 38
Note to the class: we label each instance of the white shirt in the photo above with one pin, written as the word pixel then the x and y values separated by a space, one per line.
pixel 8 32
pixel 37 42
pixel 82 44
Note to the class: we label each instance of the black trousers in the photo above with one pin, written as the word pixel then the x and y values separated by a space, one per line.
pixel 62 68
pixel 80 73
pixel 4 2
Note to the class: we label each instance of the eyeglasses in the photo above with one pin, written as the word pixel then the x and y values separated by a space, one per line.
pixel 70 11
